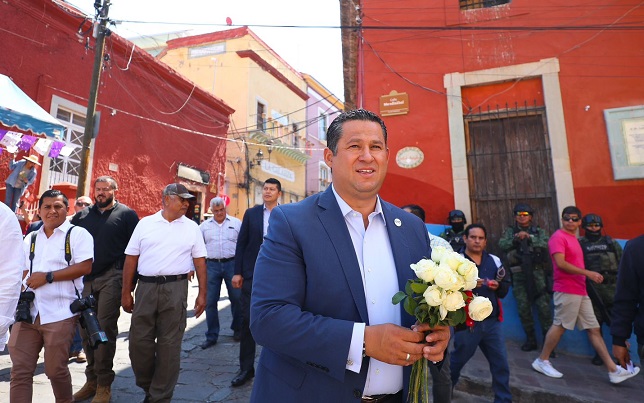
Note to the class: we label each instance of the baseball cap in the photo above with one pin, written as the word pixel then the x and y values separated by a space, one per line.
pixel 178 190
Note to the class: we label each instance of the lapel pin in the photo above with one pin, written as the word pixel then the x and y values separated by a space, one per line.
pixel 397 222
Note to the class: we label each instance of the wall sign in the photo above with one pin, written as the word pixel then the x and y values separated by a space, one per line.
pixel 394 104
pixel 409 157
pixel 625 128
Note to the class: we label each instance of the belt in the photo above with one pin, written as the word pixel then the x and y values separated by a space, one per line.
pixel 163 279
pixel 392 398
pixel 224 260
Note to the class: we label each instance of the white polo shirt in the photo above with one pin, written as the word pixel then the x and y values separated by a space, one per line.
pixel 53 300
pixel 165 248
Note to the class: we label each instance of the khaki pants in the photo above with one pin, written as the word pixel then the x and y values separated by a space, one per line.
pixel 156 332
pixel 25 344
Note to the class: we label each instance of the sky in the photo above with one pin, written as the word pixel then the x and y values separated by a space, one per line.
pixel 315 51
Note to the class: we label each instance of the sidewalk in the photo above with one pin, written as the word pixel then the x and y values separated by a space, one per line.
pixel 206 374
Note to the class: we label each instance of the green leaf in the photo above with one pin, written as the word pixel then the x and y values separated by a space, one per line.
pixel 458 316
pixel 410 306
pixel 408 289
pixel 399 296
pixel 419 288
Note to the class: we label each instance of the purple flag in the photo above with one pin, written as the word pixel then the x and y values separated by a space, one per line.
pixel 2 133
pixel 27 142
pixel 55 149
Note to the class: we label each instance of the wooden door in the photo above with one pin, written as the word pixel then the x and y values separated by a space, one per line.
pixel 509 161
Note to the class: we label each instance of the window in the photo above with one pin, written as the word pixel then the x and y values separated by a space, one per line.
pixel 261 116
pixel 207 50
pixel 62 168
pixel 473 4
pixel 325 176
pixel 323 120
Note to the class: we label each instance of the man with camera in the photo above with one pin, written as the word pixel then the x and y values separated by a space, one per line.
pixel 57 254
pixel 164 249
pixel 11 265
pixel 111 224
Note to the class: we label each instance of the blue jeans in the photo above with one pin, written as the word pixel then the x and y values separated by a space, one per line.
pixel 77 344
pixel 12 195
pixel 489 337
pixel 216 273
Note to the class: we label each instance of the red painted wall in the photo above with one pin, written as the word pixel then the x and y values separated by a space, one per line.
pixel 144 104
pixel 601 68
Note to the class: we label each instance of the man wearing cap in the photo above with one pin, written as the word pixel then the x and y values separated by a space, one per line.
pixel 220 235
pixel 23 174
pixel 163 250
pixel 526 247
pixel 602 255
pixel 111 224
pixel 454 234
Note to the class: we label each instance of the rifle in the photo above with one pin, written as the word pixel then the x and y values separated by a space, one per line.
pixel 527 267
pixel 595 298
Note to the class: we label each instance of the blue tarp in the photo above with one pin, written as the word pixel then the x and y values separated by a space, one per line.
pixel 20 111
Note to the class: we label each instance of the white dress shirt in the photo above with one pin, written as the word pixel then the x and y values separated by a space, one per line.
pixel 53 300
pixel 12 262
pixel 220 239
pixel 166 248
pixel 380 282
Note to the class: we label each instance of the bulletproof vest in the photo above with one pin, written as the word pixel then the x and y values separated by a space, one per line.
pixel 455 240
pixel 539 255
pixel 599 256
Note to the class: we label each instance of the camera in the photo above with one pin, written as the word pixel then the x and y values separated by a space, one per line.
pixel 23 308
pixel 88 320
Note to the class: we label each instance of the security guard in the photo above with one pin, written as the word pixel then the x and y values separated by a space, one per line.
pixel 602 255
pixel 454 235
pixel 526 246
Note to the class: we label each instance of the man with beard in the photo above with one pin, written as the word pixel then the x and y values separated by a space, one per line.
pixel 111 224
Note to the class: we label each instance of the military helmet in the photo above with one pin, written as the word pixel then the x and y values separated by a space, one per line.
pixel 520 207
pixel 591 219
pixel 456 214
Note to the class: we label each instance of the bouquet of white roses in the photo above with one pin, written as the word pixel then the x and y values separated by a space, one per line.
pixel 441 295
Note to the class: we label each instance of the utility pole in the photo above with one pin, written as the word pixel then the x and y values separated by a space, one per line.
pixel 99 51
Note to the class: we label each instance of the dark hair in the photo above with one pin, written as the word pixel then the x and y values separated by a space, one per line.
pixel 53 193
pixel 108 179
pixel 416 210
pixel 571 210
pixel 334 131
pixel 466 233
pixel 274 182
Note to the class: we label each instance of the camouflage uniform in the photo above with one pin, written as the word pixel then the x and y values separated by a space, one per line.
pixel 455 239
pixel 538 247
pixel 603 256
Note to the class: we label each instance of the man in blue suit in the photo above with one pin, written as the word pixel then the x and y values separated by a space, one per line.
pixel 250 238
pixel 323 282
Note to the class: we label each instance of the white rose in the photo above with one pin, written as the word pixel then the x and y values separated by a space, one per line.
pixel 446 279
pixel 434 296
pixel 452 259
pixel 438 253
pixel 469 285
pixel 479 308
pixel 453 301
pixel 468 270
pixel 425 270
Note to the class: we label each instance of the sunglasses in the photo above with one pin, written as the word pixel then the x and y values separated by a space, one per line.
pixel 569 218
pixel 82 204
pixel 523 214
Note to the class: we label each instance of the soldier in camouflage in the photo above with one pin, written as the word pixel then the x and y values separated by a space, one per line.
pixel 526 247
pixel 602 255
pixel 454 235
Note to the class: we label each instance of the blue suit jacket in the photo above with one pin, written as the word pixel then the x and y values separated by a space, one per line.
pixel 308 293
pixel 249 240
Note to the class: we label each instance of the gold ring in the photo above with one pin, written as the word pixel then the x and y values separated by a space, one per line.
pixel 407 359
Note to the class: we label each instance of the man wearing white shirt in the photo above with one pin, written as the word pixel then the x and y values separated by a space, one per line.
pixel 163 250
pixel 220 235
pixel 56 283
pixel 11 265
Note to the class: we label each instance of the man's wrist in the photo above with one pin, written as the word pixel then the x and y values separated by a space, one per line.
pixel 619 341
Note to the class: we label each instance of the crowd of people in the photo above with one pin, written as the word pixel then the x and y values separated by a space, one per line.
pixel 311 282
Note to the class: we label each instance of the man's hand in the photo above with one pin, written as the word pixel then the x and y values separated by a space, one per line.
pixel 437 341
pixel 522 235
pixel 393 344
pixel 37 279
pixel 622 355
pixel 595 277
pixel 237 281
pixel 127 302
pixel 492 285
pixel 200 304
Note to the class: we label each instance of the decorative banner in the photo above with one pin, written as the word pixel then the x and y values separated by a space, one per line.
pixel 66 151
pixel 12 149
pixel 2 133
pixel 27 142
pixel 42 146
pixel 10 139
pixel 55 149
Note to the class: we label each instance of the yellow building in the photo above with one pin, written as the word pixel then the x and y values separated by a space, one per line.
pixel 267 130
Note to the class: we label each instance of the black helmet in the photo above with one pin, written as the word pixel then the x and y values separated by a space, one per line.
pixel 591 219
pixel 456 214
pixel 520 207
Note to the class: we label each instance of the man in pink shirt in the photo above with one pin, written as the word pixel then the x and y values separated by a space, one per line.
pixel 572 304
